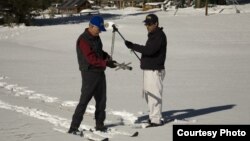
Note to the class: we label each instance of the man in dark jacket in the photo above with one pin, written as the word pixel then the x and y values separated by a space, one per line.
pixel 92 64
pixel 153 66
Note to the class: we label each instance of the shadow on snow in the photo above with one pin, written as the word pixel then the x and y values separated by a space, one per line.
pixel 170 116
pixel 79 19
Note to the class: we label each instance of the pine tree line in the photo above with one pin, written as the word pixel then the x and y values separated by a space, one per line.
pixel 21 11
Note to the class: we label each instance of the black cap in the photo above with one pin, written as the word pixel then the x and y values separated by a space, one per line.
pixel 151 19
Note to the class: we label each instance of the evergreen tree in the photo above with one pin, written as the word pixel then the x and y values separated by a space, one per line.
pixel 20 11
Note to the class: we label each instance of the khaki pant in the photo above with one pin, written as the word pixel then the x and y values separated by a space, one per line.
pixel 152 90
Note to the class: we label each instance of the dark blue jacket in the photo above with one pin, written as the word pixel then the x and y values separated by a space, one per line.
pixel 154 52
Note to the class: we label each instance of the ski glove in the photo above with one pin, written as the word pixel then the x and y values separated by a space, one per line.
pixel 111 63
pixel 128 43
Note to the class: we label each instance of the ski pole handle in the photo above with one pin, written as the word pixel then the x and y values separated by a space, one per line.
pixel 116 29
pixel 129 68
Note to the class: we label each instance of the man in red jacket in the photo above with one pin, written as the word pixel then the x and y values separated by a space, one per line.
pixel 92 62
pixel 153 66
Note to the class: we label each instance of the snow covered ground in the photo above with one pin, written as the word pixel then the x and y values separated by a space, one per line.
pixel 207 79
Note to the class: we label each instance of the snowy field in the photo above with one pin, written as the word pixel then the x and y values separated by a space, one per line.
pixel 207 79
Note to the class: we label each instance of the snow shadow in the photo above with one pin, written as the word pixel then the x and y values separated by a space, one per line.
pixel 144 12
pixel 80 18
pixel 170 116
pixel 70 19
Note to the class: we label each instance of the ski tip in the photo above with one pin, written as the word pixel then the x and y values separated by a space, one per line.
pixel 135 134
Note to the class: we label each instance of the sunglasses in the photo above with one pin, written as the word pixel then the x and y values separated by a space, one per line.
pixel 148 24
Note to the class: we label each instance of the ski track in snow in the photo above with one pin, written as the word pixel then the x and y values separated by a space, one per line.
pixel 60 124
pixel 17 90
pixel 36 113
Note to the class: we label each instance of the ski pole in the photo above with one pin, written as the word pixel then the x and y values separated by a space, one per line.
pixel 123 66
pixel 113 43
pixel 116 29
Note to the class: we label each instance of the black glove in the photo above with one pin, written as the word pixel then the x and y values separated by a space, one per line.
pixel 108 57
pixel 128 44
pixel 111 63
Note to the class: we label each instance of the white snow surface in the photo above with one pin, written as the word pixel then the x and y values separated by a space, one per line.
pixel 207 74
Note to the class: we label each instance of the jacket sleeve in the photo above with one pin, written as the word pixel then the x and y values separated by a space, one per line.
pixel 90 55
pixel 152 46
pixel 106 56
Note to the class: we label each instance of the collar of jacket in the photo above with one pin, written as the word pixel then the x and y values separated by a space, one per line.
pixel 90 36
pixel 157 29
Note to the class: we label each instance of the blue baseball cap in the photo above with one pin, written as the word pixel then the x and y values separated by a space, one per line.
pixel 99 22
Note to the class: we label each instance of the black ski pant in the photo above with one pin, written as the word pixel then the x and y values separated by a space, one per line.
pixel 93 85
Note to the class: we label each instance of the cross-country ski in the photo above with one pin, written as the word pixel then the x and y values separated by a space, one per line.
pixel 84 134
pixel 114 131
